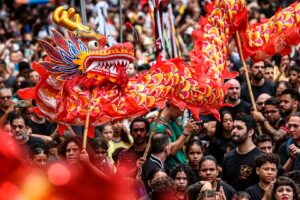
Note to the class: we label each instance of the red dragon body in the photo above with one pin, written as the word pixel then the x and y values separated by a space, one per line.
pixel 80 64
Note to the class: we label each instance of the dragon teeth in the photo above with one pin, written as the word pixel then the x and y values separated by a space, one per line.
pixel 113 70
pixel 93 65
pixel 109 66
pixel 111 63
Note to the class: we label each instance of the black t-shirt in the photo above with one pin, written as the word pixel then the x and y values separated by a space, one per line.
pixel 152 164
pixel 255 192
pixel 46 128
pixel 239 170
pixel 34 140
pixel 228 190
pixel 242 107
pixel 196 174
pixel 284 153
pixel 217 148
pixel 268 87
pixel 193 190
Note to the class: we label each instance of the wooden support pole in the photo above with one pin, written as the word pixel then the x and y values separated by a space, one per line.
pixel 87 121
pixel 247 77
pixel 149 142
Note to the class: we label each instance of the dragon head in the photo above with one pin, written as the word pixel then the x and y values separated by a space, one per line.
pixel 85 53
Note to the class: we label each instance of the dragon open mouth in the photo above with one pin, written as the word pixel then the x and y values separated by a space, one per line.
pixel 108 64
pixel 110 67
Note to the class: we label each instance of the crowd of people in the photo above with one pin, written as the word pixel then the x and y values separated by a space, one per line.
pixel 248 154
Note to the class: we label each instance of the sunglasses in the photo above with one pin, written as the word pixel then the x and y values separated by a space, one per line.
pixel 6 97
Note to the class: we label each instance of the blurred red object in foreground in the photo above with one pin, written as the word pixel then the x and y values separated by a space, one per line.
pixel 20 180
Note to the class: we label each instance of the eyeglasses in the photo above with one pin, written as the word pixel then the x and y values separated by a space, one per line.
pixel 260 103
pixel 6 97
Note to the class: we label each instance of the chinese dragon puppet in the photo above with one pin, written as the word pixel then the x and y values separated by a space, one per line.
pixel 81 64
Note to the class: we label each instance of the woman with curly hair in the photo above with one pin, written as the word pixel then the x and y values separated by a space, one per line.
pixel 184 177
pixel 162 188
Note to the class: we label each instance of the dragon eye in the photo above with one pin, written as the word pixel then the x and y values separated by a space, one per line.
pixel 93 44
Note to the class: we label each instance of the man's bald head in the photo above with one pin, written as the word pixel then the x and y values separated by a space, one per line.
pixel 233 82
pixel 234 91
pixel 260 101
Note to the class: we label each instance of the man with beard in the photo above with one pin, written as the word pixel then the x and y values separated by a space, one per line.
pixel 289 102
pixel 234 97
pixel 269 72
pixel 270 119
pixel 130 160
pixel 258 82
pixel 238 164
pixel 290 149
pixel 21 132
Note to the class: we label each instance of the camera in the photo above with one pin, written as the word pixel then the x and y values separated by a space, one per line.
pixel 200 123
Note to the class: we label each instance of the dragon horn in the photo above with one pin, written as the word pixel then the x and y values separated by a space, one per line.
pixel 64 18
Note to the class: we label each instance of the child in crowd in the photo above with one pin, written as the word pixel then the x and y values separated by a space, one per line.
pixel 194 153
pixel 266 168
pixel 102 160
